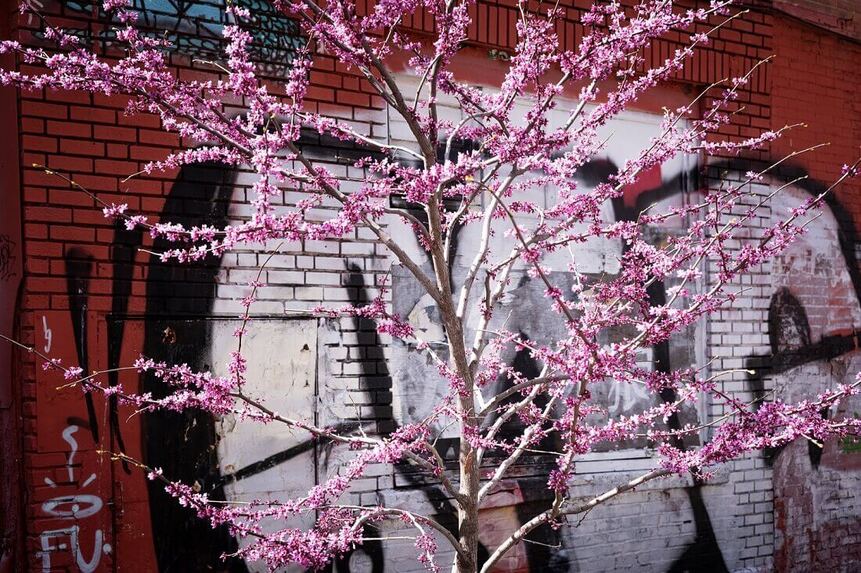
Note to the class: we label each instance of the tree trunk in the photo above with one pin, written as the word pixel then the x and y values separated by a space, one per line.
pixel 467 515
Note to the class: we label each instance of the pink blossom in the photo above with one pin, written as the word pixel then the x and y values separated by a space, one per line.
pixel 490 190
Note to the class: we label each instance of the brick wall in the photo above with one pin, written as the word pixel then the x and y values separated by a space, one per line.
pixel 11 515
pixel 838 16
pixel 816 491
pixel 93 293
pixel 814 77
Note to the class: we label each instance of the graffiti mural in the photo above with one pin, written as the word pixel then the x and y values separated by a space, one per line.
pixel 191 332
pixel 522 303
pixel 74 501
pixel 79 270
pixel 341 372
pixel 813 326
pixel 184 444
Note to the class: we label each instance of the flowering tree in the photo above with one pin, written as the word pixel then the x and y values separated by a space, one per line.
pixel 489 187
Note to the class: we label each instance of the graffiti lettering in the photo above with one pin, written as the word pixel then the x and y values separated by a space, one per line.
pixel 623 397
pixel 49 336
pixel 52 542
pixel 77 506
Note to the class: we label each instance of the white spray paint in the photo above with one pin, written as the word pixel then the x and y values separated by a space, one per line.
pixel 75 507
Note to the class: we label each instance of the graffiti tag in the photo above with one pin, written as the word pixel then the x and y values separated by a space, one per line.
pixel 78 506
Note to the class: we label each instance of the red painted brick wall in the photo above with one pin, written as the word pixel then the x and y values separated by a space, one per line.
pixel 11 514
pixel 815 81
pixel 88 138
pixel 840 16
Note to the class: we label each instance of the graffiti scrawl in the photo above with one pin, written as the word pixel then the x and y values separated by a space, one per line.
pixel 77 507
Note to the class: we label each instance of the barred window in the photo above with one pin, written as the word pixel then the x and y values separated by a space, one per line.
pixel 196 28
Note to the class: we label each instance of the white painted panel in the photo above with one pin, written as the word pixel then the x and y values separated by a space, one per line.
pixel 281 357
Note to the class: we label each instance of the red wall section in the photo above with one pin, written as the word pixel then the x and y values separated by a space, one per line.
pixel 11 272
pixel 815 81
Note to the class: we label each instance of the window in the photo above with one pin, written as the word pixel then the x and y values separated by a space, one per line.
pixel 195 28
